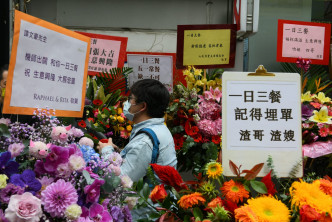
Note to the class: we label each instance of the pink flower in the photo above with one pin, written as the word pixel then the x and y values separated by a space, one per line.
pixel 58 196
pixel 213 94
pixel 126 181
pixel 93 175
pixel 93 191
pixel 5 121
pixel 25 207
pixel 324 132
pixel 115 169
pixel 86 141
pixel 15 149
pixel 210 127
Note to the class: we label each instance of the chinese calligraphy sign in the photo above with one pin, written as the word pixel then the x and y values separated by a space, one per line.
pixel 303 39
pixel 262 117
pixel 156 67
pixel 206 46
pixel 48 68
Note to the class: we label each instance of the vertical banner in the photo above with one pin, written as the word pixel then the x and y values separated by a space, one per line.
pixel 106 52
pixel 48 68
pixel 149 66
pixel 308 40
pixel 206 46
pixel 262 118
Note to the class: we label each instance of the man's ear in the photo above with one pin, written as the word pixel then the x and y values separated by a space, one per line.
pixel 145 106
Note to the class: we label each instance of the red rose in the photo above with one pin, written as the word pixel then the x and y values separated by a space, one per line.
pixel 216 139
pixel 158 194
pixel 82 123
pixel 97 102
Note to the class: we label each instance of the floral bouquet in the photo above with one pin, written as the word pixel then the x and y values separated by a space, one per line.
pixel 316 126
pixel 212 197
pixel 194 118
pixel 49 172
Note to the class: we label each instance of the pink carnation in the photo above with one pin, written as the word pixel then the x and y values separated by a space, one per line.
pixel 58 196
pixel 25 207
pixel 210 127
pixel 15 149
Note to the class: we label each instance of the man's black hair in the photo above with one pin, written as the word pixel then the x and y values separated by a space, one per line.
pixel 3 68
pixel 154 93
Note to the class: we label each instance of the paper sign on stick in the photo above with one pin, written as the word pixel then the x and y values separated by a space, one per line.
pixel 48 68
pixel 262 117
pixel 308 40
pixel 158 67
pixel 106 52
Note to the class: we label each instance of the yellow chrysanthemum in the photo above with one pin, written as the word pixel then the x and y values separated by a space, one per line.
pixel 321 116
pixel 234 191
pixel 306 97
pixel 269 209
pixel 245 214
pixel 303 193
pixel 120 119
pixel 213 170
pixel 322 98
pixel 187 201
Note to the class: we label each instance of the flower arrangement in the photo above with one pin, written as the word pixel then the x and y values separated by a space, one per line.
pixel 213 197
pixel 192 117
pixel 317 128
pixel 64 180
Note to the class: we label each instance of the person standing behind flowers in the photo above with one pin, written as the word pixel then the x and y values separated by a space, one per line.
pixel 146 107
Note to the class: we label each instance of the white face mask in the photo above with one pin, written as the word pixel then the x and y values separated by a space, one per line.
pixel 128 115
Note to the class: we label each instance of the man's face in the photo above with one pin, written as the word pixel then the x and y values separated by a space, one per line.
pixel 3 82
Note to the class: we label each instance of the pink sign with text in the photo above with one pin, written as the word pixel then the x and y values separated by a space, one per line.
pixel 306 40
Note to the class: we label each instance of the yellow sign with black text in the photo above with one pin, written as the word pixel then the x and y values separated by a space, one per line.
pixel 206 47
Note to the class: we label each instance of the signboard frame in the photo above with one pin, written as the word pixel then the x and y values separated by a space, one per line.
pixel 286 158
pixel 122 52
pixel 180 44
pixel 326 53
pixel 20 16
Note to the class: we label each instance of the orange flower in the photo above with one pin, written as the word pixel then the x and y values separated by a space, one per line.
pixel 326 186
pixel 215 202
pixel 187 201
pixel 158 194
pixel 308 213
pixel 234 191
pixel 245 214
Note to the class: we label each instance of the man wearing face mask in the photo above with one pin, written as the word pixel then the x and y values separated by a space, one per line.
pixel 146 107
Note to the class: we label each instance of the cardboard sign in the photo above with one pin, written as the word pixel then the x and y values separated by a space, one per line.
pixel 307 40
pixel 106 52
pixel 48 68
pixel 151 66
pixel 261 116
pixel 206 46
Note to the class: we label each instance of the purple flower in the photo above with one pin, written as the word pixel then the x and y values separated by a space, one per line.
pixel 307 111
pixel 2 217
pixel 8 191
pixel 93 191
pixel 8 166
pixel 99 213
pixel 15 149
pixel 87 101
pixel 58 196
pixel 127 214
pixel 26 180
pixel 57 156
pixel 84 219
pixel 117 214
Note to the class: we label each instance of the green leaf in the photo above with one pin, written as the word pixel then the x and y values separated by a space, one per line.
pixel 258 186
pixel 167 202
pixel 186 218
pixel 146 191
pixel 139 185
pixel 87 177
pixel 198 214
pixel 140 201
pixel 4 130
